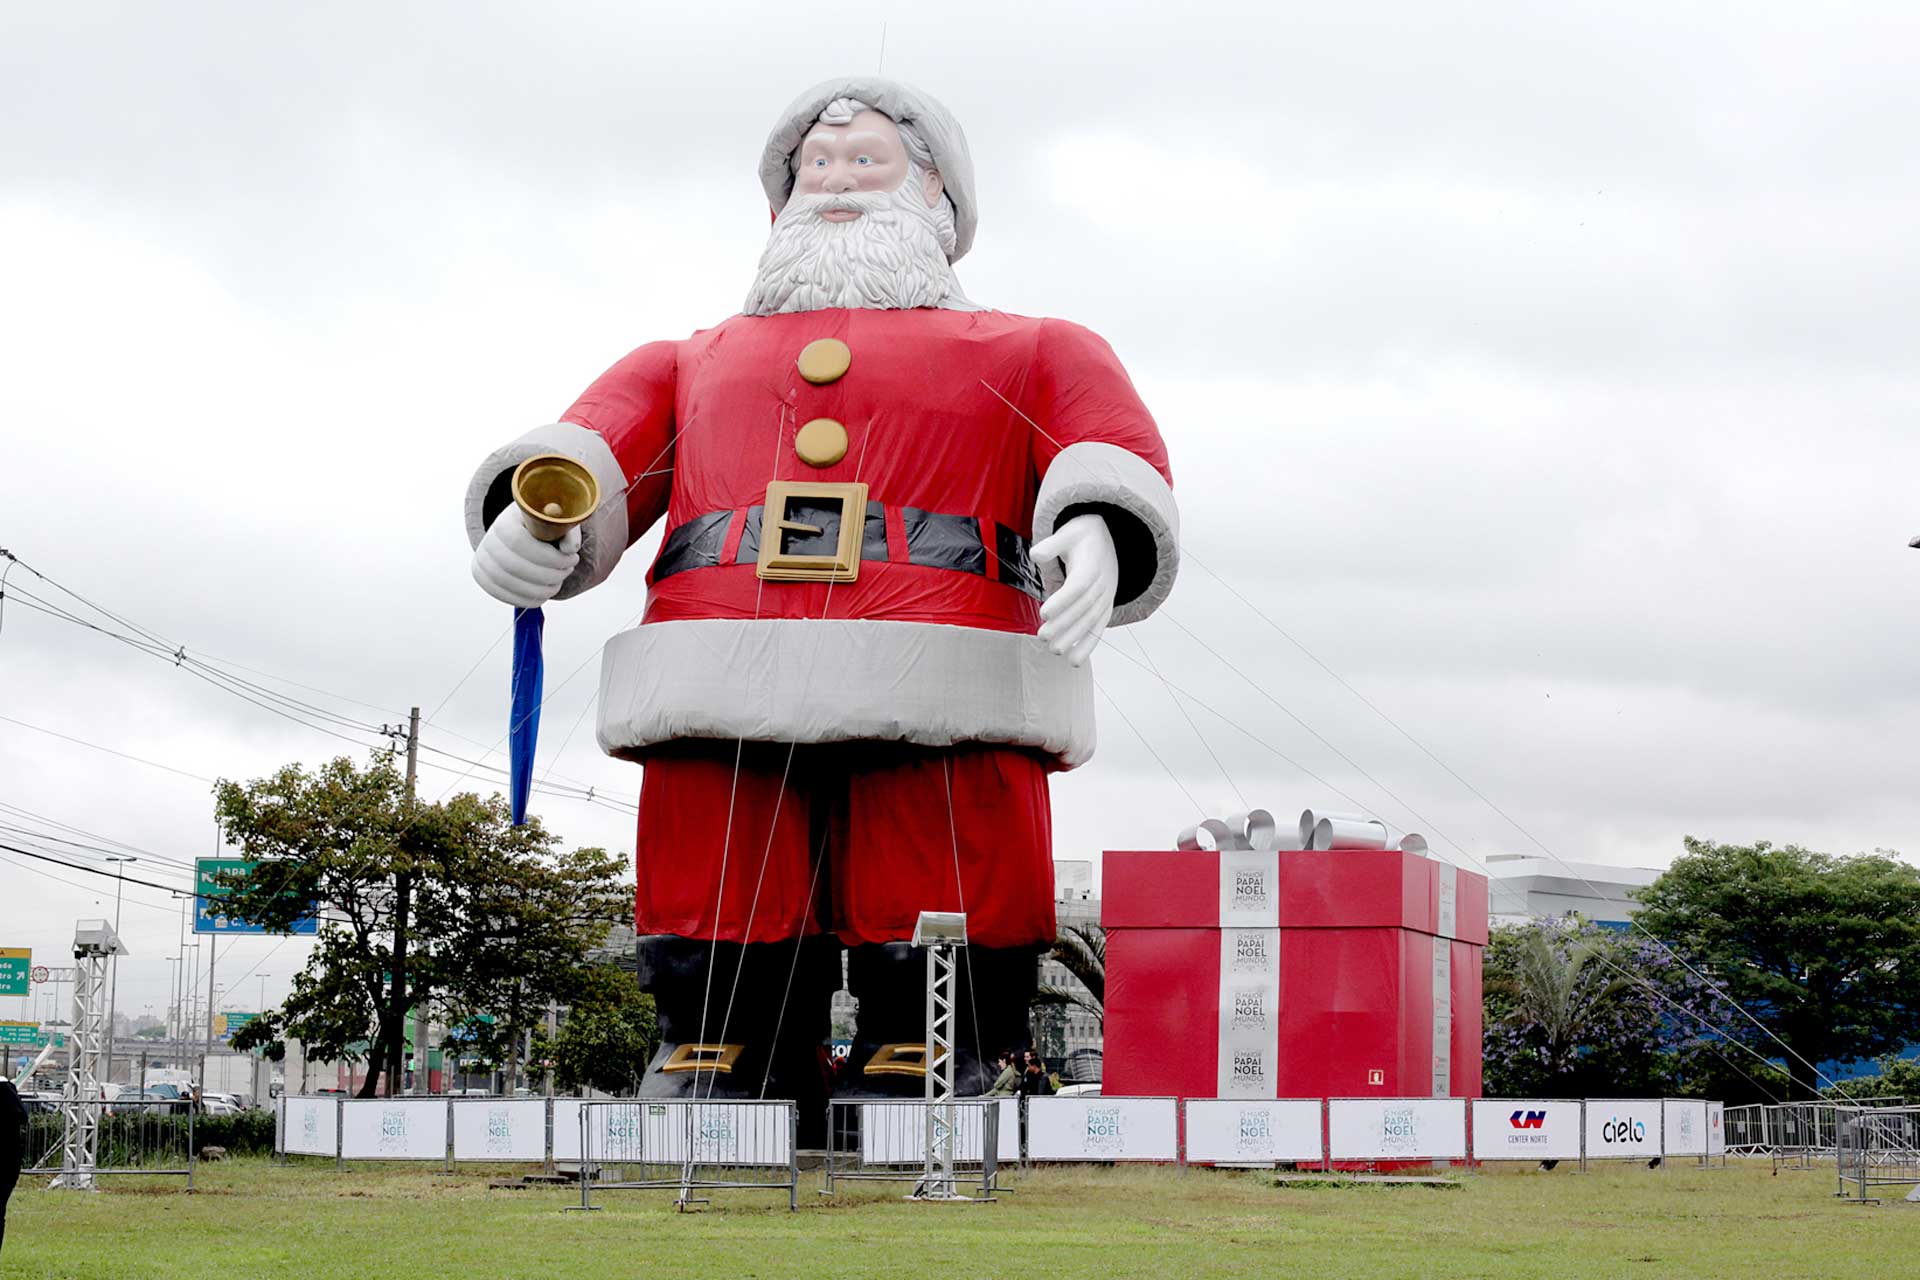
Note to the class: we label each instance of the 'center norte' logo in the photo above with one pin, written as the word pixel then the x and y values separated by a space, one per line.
pixel 1528 1119
pixel 1618 1130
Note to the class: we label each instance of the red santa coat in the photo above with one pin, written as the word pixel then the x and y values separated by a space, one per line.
pixel 974 432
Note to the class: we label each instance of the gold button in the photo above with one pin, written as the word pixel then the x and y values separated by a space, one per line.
pixel 821 443
pixel 824 360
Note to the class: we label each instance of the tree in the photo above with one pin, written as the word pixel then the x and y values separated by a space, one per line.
pixel 418 901
pixel 1824 950
pixel 1573 1010
pixel 608 1036
pixel 1082 951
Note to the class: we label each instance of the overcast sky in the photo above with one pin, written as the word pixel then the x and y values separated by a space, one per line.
pixel 1548 375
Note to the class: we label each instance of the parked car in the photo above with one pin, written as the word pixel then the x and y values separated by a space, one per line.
pixel 153 1100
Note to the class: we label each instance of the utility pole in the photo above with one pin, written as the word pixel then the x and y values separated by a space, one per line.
pixel 113 982
pixel 402 905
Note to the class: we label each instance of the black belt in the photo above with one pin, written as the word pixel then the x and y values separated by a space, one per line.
pixel 934 540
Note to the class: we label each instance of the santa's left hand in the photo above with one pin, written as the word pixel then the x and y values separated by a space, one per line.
pixel 1074 617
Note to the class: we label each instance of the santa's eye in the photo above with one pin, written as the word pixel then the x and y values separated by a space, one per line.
pixel 863 160
pixel 819 162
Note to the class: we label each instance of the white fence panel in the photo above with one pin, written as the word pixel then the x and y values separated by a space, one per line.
pixel 1623 1128
pixel 1526 1129
pixel 500 1129
pixel 566 1129
pixel 1102 1129
pixel 724 1133
pixel 310 1126
pixel 394 1129
pixel 894 1132
pixel 1397 1128
pixel 1236 1131
pixel 1716 1128
pixel 1683 1123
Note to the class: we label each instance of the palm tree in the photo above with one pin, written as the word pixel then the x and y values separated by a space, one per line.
pixel 1082 950
pixel 1562 987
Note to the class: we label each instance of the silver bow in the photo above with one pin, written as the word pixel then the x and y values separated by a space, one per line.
pixel 1252 831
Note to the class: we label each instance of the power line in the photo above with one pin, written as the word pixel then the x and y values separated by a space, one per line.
pixel 109 750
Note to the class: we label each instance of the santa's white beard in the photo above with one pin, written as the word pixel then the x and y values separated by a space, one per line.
pixel 890 257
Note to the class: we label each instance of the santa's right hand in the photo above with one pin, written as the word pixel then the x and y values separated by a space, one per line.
pixel 516 568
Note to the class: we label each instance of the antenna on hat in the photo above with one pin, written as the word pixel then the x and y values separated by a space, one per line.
pixel 881 69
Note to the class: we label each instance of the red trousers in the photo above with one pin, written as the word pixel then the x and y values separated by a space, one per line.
pixel 855 839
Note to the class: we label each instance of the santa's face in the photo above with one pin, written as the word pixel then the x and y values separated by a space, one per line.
pixel 864 154
pixel 864 227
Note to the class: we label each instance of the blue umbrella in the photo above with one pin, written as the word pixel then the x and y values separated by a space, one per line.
pixel 523 732
pixel 554 494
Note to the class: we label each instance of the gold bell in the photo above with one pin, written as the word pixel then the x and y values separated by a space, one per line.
pixel 555 493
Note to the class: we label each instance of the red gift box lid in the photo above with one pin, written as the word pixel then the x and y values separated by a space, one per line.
pixel 1324 889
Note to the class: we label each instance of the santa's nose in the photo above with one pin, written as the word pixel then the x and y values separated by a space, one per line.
pixel 838 181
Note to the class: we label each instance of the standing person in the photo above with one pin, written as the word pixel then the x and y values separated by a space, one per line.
pixel 13 1146
pixel 1033 1079
pixel 1007 1083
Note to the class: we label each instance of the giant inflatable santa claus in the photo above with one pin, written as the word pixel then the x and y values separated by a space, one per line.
pixel 896 525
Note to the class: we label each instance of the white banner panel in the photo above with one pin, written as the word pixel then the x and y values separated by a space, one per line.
pixel 500 1129
pixel 1397 1128
pixel 310 1126
pixel 735 1133
pixel 1102 1129
pixel 394 1129
pixel 894 1132
pixel 1249 1011
pixel 1235 1131
pixel 1716 1128
pixel 566 1128
pixel 1684 1127
pixel 1623 1127
pixel 1525 1129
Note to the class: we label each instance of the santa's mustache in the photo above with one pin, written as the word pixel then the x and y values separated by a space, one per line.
pixel 806 208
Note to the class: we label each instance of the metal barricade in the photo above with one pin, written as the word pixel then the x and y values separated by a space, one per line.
pixel 1877 1147
pixel 1748 1133
pixel 685 1146
pixel 885 1140
pixel 147 1136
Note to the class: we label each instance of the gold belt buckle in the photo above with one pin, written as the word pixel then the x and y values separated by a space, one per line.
pixel 777 520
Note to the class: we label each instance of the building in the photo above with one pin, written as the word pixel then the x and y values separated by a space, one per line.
pixel 1521 888
pixel 1060 1030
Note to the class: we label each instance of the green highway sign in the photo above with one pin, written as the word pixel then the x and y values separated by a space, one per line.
pixel 27 1033
pixel 207 916
pixel 226 1024
pixel 16 970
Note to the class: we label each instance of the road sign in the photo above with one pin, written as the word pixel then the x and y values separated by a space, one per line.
pixel 27 1033
pixel 226 1024
pixel 16 969
pixel 207 917
pixel 41 973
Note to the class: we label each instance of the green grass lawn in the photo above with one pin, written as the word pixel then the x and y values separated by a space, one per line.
pixel 251 1219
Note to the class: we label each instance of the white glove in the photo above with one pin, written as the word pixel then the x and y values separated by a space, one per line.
pixel 516 568
pixel 1074 617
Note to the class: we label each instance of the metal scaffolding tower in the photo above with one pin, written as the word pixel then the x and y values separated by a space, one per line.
pixel 94 942
pixel 942 933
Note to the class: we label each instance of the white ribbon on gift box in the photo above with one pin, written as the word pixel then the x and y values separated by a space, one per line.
pixel 1253 831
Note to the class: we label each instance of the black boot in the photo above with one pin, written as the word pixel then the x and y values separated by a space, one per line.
pixel 994 989
pixel 752 1050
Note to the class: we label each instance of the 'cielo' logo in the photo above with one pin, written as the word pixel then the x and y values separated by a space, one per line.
pixel 1618 1130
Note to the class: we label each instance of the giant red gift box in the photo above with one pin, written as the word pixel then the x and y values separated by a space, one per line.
pixel 1292 974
